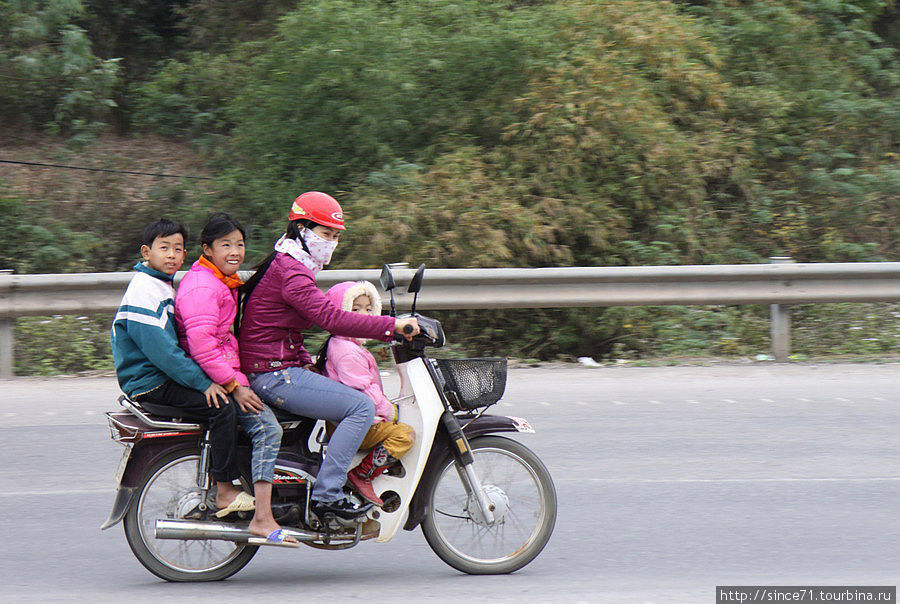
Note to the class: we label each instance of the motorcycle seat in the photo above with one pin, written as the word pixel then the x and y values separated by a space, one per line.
pixel 167 414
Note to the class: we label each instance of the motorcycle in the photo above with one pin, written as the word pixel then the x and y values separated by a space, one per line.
pixel 486 503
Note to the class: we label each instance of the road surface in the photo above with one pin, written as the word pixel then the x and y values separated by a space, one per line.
pixel 671 481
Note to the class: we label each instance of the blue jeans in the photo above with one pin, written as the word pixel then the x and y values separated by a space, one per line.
pixel 309 394
pixel 265 434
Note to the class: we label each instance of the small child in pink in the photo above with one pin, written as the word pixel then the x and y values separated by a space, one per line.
pixel 346 360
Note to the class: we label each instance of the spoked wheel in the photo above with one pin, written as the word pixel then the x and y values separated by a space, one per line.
pixel 524 498
pixel 170 491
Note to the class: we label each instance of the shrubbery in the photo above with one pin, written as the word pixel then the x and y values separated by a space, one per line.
pixel 495 133
pixel 63 344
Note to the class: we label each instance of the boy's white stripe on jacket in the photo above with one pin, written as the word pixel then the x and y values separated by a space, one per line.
pixel 144 342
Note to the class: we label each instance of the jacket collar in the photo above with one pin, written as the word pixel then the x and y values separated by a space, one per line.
pixel 231 282
pixel 143 268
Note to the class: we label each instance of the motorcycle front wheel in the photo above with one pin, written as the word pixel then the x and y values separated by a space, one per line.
pixel 170 491
pixel 521 488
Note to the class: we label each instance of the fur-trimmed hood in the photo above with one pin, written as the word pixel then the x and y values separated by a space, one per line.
pixel 343 294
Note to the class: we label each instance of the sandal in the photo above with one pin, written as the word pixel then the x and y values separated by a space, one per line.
pixel 243 502
pixel 276 538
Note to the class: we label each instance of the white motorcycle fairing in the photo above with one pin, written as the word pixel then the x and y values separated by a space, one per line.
pixel 421 408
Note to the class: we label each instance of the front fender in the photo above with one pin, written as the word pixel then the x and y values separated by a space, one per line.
pixel 440 450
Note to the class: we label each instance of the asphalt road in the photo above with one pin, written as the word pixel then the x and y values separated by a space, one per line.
pixel 671 481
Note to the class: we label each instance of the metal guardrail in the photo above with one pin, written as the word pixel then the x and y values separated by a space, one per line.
pixel 778 284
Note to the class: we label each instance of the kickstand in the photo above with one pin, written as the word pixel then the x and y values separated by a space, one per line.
pixel 326 526
pixel 326 541
pixel 358 535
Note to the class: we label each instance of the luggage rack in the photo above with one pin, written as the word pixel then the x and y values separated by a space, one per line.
pixel 173 424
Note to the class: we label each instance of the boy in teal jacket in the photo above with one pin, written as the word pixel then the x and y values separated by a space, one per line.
pixel 154 371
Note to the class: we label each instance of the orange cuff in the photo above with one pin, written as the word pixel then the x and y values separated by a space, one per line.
pixel 230 386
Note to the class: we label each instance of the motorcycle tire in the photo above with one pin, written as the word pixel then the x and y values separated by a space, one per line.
pixel 520 486
pixel 170 490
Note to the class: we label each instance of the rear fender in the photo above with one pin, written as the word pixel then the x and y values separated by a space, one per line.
pixel 149 450
pixel 124 497
pixel 144 454
pixel 440 451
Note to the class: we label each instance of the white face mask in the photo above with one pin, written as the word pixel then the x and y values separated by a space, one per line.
pixel 319 249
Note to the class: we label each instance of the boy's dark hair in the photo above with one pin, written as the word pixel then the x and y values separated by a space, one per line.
pixel 219 225
pixel 162 228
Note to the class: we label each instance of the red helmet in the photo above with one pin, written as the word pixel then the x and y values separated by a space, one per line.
pixel 321 208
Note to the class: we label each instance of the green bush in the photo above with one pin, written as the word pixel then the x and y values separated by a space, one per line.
pixel 846 329
pixel 51 77
pixel 35 242
pixel 638 332
pixel 96 235
pixel 483 133
pixel 62 344
pixel 186 98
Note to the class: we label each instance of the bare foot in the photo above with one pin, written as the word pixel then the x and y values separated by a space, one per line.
pixel 264 528
pixel 225 494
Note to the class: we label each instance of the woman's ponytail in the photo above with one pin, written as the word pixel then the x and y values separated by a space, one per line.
pixel 247 288
pixel 244 291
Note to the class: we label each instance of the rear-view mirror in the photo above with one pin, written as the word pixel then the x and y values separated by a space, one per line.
pixel 415 285
pixel 387 279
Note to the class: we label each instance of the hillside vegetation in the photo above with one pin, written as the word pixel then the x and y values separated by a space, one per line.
pixel 470 133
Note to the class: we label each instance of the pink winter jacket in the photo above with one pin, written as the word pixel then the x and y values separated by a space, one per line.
pixel 204 311
pixel 347 361
pixel 354 366
pixel 285 302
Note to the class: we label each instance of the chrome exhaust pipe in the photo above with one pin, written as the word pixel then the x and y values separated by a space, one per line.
pixel 221 531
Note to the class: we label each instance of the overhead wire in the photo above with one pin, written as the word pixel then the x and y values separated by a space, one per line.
pixel 45 165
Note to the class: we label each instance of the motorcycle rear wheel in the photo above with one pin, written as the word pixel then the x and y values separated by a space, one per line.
pixel 169 489
pixel 521 485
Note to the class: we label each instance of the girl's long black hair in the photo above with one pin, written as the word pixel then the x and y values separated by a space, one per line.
pixel 244 291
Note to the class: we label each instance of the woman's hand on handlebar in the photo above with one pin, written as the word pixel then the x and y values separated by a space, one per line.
pixel 214 393
pixel 247 400
pixel 407 328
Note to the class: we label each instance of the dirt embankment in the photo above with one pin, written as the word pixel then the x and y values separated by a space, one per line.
pixel 66 186
pixel 106 209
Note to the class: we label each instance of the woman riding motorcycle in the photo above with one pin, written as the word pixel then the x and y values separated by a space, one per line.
pixel 280 301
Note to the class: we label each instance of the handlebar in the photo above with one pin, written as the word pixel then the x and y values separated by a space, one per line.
pixel 421 336
pixel 430 334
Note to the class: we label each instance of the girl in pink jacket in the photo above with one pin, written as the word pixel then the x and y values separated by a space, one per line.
pixel 346 360
pixel 204 312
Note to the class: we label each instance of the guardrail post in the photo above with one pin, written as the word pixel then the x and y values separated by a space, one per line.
pixel 780 327
pixel 7 339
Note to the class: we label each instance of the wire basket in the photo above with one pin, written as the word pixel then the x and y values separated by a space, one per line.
pixel 473 383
